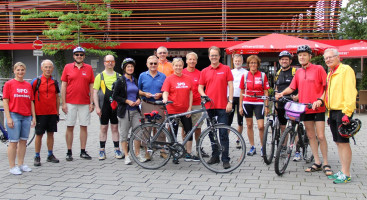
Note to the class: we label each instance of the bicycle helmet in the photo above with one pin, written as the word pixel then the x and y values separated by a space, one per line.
pixel 304 48
pixel 78 49
pixel 351 129
pixel 127 61
pixel 285 54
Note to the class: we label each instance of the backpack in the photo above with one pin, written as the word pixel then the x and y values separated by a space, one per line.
pixel 102 91
pixel 262 78
pixel 38 79
pixel 277 74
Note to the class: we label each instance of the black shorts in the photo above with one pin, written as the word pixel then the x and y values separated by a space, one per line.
pixel 317 117
pixel 235 108
pixel 46 123
pixel 249 109
pixel 335 120
pixel 108 115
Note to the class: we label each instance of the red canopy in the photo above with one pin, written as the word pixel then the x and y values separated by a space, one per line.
pixel 275 43
pixel 355 50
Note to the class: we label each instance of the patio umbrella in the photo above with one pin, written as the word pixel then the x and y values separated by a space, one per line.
pixel 355 50
pixel 275 43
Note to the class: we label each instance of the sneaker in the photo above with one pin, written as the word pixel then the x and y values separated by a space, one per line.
pixel 297 157
pixel 25 168
pixel 238 145
pixel 69 157
pixel 188 157
pixel 226 165
pixel 119 155
pixel 141 159
pixel 127 160
pixel 213 160
pixel 195 159
pixel 252 151
pixel 15 170
pixel 261 152
pixel 342 178
pixel 203 153
pixel 164 155
pixel 37 161
pixel 147 157
pixel 102 155
pixel 335 176
pixel 52 159
pixel 85 156
pixel 175 161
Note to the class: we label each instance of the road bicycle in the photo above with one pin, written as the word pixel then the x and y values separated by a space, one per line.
pixel 146 139
pixel 4 134
pixel 288 139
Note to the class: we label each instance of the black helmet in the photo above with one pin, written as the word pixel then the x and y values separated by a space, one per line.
pixel 285 53
pixel 350 129
pixel 127 61
pixel 304 48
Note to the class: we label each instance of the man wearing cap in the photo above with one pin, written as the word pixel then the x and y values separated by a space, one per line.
pixel 77 100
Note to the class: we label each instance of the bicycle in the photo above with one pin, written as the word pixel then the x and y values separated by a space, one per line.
pixel 287 140
pixel 4 134
pixel 146 138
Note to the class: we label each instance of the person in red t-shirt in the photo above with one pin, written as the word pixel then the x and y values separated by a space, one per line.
pixel 47 103
pixel 251 84
pixel 216 78
pixel 20 117
pixel 178 88
pixel 310 80
pixel 77 100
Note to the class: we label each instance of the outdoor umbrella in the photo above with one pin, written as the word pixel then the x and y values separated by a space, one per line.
pixel 355 50
pixel 275 43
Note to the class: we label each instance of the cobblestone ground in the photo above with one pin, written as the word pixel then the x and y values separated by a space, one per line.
pixel 111 179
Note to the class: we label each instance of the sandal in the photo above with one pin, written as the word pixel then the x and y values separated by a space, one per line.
pixel 315 167
pixel 327 170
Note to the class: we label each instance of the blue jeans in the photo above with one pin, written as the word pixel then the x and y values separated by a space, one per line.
pixel 222 117
pixel 21 129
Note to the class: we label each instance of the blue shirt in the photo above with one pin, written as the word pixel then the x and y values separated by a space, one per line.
pixel 147 83
pixel 131 90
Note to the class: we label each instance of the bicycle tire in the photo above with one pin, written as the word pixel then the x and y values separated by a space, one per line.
pixel 236 155
pixel 282 159
pixel 30 139
pixel 306 149
pixel 141 147
pixel 268 143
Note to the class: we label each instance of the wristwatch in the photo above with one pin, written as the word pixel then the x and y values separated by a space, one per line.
pixel 230 101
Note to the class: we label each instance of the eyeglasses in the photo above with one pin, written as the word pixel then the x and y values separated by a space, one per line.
pixel 330 57
pixel 213 56
pixel 253 63
pixel 79 54
pixel 110 62
pixel 162 52
pixel 153 63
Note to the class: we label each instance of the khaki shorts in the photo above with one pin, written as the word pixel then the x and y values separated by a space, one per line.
pixel 131 120
pixel 195 117
pixel 80 110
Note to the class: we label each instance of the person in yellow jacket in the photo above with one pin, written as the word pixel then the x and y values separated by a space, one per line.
pixel 340 99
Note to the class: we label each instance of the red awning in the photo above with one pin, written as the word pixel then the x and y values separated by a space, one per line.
pixel 355 50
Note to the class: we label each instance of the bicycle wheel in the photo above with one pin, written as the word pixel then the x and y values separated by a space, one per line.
pixel 284 151
pixel 147 153
pixel 268 142
pixel 31 138
pixel 306 149
pixel 215 145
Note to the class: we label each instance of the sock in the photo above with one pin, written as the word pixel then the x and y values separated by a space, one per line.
pixel 82 151
pixel 102 144
pixel 37 154
pixel 69 152
pixel 116 144
pixel 50 153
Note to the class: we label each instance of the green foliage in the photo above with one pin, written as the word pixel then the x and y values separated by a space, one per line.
pixel 353 21
pixel 363 83
pixel 5 64
pixel 60 60
pixel 68 30
pixel 319 60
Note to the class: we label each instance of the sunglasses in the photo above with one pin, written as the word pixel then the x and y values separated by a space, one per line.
pixel 79 54
pixel 110 62
pixel 153 63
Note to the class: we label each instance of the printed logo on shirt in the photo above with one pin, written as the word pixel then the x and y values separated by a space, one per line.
pixel 181 85
pixel 84 73
pixel 220 73
pixel 22 93
pixel 258 80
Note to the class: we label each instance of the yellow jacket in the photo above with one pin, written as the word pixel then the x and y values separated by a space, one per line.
pixel 341 90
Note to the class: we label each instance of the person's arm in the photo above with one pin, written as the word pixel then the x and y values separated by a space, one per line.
pixel 201 90
pixel 240 103
pixel 63 97
pixel 165 96
pixel 91 105
pixel 9 120
pixel 33 111
pixel 57 103
pixel 230 97
pixel 266 102
pixel 96 102
pixel 287 91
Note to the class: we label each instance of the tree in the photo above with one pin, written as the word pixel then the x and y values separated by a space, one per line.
pixel 353 20
pixel 67 32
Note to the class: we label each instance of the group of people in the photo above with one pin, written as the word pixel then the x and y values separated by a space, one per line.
pixel 120 100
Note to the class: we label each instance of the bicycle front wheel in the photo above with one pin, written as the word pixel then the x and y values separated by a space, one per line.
pixel 268 143
pixel 147 153
pixel 284 151
pixel 220 142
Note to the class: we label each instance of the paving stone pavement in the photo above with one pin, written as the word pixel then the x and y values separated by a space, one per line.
pixel 111 179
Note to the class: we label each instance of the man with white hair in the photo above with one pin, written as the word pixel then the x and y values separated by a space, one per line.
pixel 164 65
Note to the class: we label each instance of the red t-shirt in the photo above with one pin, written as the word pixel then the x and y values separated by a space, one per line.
pixel 215 81
pixel 195 77
pixel 20 96
pixel 78 81
pixel 311 83
pixel 179 88
pixel 254 86
pixel 45 97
